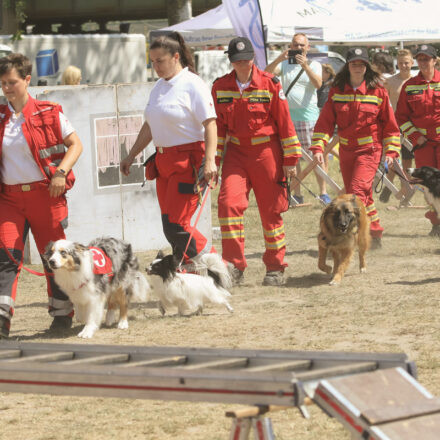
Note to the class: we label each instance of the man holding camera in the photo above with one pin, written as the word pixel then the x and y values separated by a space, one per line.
pixel 306 76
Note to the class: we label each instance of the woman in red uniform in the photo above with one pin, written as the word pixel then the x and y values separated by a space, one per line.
pixel 418 115
pixel 359 105
pixel 262 149
pixel 38 148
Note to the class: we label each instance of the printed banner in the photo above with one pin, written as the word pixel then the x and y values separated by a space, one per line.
pixel 246 19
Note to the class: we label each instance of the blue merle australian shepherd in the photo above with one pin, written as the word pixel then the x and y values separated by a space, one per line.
pixel 104 273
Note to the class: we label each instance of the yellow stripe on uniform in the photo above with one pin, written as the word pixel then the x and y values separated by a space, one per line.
pixel 227 235
pixel 274 232
pixel 295 149
pixel 228 221
pixel 275 245
pixel 370 208
pixel 365 140
pixel 289 141
pixel 260 140
pixel 228 94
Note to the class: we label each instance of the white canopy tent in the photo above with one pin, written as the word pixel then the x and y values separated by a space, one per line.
pixel 325 21
pixel 210 28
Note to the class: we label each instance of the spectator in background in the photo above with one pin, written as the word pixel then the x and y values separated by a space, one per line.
pixel 302 98
pixel 394 85
pixel 418 115
pixel 71 76
pixel 383 63
pixel 359 105
pixel 328 75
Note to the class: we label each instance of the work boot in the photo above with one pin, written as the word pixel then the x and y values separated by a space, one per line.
pixel 385 195
pixel 376 243
pixel 4 327
pixel 61 323
pixel 237 275
pixel 274 278
pixel 435 231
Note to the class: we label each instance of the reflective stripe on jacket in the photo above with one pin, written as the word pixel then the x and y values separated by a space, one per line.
pixel 363 116
pixel 256 116
pixel 418 108
pixel 42 131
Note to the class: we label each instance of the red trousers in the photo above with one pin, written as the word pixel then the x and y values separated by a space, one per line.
pixel 177 200
pixel 358 167
pixel 429 156
pixel 47 218
pixel 258 167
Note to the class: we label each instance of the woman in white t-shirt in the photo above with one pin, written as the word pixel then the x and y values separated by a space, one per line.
pixel 180 120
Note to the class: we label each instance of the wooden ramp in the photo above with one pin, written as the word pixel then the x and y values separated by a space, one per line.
pixel 383 405
pixel 375 395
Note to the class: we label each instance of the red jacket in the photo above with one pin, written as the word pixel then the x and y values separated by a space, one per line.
pixel 363 116
pixel 250 119
pixel 42 131
pixel 418 108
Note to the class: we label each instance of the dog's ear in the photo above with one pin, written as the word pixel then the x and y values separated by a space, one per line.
pixel 80 247
pixel 48 250
pixel 160 255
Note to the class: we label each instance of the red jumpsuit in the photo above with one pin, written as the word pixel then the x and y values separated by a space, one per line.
pixel 262 139
pixel 30 206
pixel 418 113
pixel 366 126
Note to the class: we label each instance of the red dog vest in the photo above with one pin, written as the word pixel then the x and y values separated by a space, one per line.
pixel 102 265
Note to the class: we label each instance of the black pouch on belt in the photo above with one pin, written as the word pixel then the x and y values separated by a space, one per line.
pixel 151 171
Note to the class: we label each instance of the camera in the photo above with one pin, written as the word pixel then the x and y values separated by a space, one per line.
pixel 292 54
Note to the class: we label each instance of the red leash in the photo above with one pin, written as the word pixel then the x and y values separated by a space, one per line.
pixel 205 197
pixel 33 272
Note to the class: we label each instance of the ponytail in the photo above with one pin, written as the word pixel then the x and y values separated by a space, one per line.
pixel 174 43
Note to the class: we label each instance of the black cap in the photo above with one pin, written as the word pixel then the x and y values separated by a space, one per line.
pixel 240 48
pixel 426 49
pixel 357 53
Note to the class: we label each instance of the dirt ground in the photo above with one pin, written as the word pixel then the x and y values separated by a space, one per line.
pixel 391 308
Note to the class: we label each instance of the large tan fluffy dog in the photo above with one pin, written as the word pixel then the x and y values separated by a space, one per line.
pixel 344 225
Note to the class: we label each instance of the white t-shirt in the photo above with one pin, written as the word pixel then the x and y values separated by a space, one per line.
pixel 177 108
pixel 302 98
pixel 17 163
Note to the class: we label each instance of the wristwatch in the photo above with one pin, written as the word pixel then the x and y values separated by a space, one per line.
pixel 61 171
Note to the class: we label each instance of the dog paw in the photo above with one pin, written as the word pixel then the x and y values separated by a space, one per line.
pixel 123 324
pixel 88 331
pixel 334 282
pixel 363 270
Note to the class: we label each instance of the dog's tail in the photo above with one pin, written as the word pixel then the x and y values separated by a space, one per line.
pixel 140 288
pixel 217 270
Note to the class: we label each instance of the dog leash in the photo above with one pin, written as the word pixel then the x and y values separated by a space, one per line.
pixel 384 171
pixel 205 197
pixel 32 271
pixel 310 191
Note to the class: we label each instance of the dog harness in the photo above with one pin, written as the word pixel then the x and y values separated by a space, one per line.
pixel 102 265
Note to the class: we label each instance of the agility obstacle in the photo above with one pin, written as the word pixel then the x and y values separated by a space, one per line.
pixel 374 395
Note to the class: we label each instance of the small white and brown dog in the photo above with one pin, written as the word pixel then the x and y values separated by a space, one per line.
pixel 104 273
pixel 190 292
